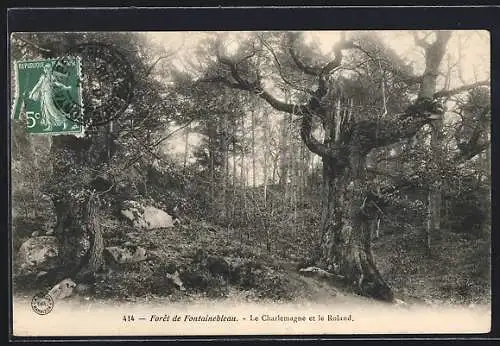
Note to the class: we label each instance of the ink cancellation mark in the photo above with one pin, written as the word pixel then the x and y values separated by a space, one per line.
pixel 53 92
pixel 42 304
pixel 107 80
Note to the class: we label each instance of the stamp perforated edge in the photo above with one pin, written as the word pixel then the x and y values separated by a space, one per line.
pixel 15 100
pixel 80 133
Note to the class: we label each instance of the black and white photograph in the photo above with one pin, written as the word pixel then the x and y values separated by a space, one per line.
pixel 176 183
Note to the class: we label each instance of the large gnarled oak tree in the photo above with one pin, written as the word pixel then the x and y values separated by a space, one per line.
pixel 347 210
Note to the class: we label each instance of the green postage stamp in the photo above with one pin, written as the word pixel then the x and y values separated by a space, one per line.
pixel 49 95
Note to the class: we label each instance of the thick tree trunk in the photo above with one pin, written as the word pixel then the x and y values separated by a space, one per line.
pixel 77 228
pixel 80 238
pixel 346 226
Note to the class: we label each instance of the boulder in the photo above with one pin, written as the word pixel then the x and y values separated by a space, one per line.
pixel 146 217
pixel 129 254
pixel 63 289
pixel 156 218
pixel 39 254
pixel 176 280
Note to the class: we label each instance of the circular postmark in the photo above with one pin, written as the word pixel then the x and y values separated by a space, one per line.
pixel 103 84
pixel 42 303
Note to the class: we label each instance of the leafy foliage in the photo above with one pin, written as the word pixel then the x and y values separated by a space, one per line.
pixel 256 226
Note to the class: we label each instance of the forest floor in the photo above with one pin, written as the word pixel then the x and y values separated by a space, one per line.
pixel 216 263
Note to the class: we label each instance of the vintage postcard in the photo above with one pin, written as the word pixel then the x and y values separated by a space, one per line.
pixel 250 183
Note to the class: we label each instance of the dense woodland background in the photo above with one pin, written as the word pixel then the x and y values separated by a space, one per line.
pixel 209 138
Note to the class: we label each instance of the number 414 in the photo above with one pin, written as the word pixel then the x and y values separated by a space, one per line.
pixel 128 318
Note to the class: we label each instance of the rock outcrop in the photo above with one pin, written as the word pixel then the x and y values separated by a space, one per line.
pixel 63 289
pixel 39 254
pixel 146 217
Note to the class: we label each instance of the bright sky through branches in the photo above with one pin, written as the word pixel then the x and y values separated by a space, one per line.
pixel 467 58
pixel 468 50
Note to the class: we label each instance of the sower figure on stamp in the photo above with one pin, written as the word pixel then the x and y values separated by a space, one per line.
pixel 42 91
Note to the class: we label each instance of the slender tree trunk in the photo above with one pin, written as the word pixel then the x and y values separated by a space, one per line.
pixel 225 144
pixel 266 158
pixel 301 183
pixel 428 226
pixel 435 195
pixel 283 152
pixel 243 175
pixel 234 171
pixel 292 161
pixel 266 154
pixel 254 170
pixel 275 168
pixel 211 166
pixel 109 140
pixel 186 147
pixel 254 177
pixel 33 198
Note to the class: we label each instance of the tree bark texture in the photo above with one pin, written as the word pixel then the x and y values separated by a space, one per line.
pixel 76 206
pixel 349 205
pixel 346 227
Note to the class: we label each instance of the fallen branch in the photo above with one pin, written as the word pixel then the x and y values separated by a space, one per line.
pixel 451 92
pixel 320 273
